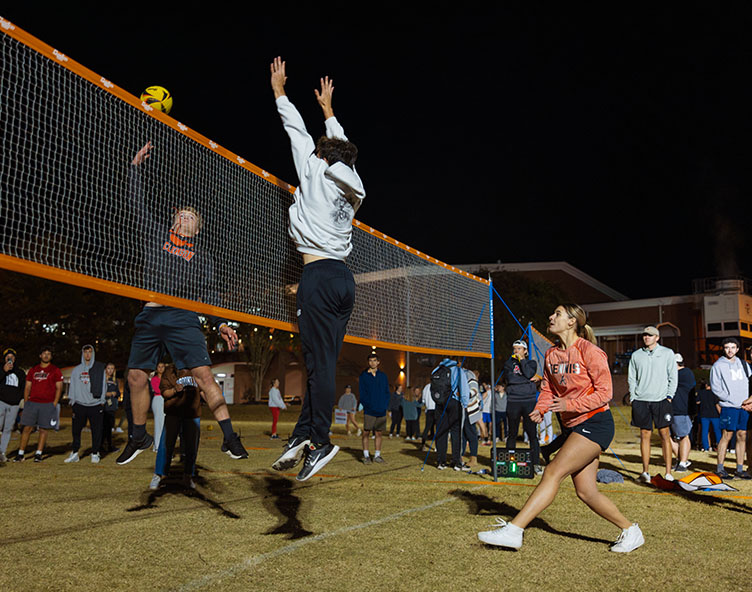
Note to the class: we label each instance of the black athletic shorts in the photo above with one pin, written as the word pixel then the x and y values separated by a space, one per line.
pixel 647 414
pixel 174 329
pixel 599 429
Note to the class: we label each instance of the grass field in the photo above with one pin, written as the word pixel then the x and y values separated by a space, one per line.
pixel 391 526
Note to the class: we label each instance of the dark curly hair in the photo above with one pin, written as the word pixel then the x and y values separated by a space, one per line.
pixel 336 150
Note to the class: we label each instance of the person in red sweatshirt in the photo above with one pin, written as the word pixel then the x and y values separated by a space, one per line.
pixel 576 384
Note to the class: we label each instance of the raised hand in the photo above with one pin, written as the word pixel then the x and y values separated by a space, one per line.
pixel 279 77
pixel 324 97
pixel 142 155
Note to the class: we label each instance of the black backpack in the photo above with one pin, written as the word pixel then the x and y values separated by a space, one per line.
pixel 441 385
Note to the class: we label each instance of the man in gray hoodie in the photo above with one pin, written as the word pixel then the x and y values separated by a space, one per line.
pixel 328 194
pixel 729 381
pixel 88 386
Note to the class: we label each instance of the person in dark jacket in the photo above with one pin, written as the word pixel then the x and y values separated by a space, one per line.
pixel 12 380
pixel 681 422
pixel 395 411
pixel 522 394
pixel 373 386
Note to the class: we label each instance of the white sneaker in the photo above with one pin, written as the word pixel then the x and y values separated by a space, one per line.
pixel 669 477
pixel 360 431
pixel 95 458
pixel 644 478
pixel 3 458
pixel 629 539
pixel 72 458
pixel 154 483
pixel 505 535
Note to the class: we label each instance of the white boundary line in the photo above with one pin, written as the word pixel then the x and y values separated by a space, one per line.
pixel 255 560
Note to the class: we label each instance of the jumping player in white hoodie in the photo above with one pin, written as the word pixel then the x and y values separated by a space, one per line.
pixel 328 194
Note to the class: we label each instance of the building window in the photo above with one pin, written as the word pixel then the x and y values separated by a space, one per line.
pixel 732 326
pixel 715 327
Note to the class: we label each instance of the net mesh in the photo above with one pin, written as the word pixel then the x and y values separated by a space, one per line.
pixel 73 199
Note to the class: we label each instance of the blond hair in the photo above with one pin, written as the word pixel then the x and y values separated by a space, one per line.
pixel 584 330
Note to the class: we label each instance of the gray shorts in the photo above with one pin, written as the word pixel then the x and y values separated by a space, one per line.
pixel 374 424
pixel 43 415
pixel 681 426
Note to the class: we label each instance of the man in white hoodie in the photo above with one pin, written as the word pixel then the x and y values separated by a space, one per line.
pixel 88 386
pixel 328 194
pixel 729 381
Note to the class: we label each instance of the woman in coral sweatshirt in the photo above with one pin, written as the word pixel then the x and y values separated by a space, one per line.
pixel 576 384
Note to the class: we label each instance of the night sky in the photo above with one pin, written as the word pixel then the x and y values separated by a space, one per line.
pixel 615 141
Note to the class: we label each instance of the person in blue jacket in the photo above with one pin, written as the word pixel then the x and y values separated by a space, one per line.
pixel 374 396
pixel 450 417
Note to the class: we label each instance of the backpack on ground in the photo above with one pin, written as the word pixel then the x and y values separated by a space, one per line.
pixel 441 385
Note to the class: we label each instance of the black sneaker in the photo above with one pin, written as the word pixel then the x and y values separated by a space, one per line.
pixel 316 458
pixel 18 458
pixel 38 457
pixel 133 449
pixel 743 475
pixel 366 460
pixel 291 454
pixel 234 447
pixel 463 467
pixel 441 466
pixel 723 474
pixel 378 459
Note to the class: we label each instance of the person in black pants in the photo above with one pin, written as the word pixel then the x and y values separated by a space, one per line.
pixel 522 392
pixel 395 411
pixel 328 194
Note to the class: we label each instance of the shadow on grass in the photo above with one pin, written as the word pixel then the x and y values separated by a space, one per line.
pixel 173 485
pixel 482 505
pixel 277 496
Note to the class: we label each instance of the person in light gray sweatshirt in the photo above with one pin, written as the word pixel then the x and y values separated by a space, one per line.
pixel 729 381
pixel 86 395
pixel 653 377
pixel 328 194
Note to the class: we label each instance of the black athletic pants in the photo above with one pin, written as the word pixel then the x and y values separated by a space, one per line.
pixel 95 415
pixel 429 430
pixel 515 412
pixel 326 294
pixel 449 423
pixel 107 424
pixel 396 421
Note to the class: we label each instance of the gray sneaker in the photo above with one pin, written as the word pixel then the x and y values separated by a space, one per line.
pixel 366 460
pixel 378 459
pixel 154 483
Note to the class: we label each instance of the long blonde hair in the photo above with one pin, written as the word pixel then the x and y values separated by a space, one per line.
pixel 584 330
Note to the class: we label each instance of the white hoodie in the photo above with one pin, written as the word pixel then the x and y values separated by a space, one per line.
pixel 327 197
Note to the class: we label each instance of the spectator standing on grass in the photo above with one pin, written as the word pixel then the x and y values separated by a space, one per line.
pixel 652 380
pixel 430 405
pixel 182 406
pixel 349 404
pixel 502 427
pixel 374 396
pixel 276 404
pixel 12 380
pixel 111 402
pixel 42 389
pixel 157 403
pixel 410 405
pixel 449 415
pixel 395 410
pixel 729 380
pixel 487 422
pixel 522 393
pixel 88 386
pixel 709 413
pixel 681 422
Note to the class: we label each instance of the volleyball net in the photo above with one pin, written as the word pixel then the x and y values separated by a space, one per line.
pixel 81 203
